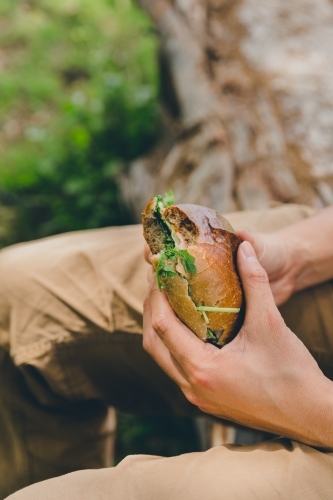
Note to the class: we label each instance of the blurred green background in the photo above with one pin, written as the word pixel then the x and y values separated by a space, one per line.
pixel 78 101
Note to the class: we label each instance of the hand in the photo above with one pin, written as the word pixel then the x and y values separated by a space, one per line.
pixel 265 378
pixel 275 255
pixel 148 255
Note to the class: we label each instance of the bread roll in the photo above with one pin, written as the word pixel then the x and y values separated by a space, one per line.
pixel 194 256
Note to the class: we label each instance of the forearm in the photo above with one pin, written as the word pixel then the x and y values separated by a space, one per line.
pixel 310 244
pixel 325 424
pixel 310 418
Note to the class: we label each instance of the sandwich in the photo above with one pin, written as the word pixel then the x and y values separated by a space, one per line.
pixel 194 258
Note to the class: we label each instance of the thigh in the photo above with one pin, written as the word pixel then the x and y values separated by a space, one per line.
pixel 55 294
pixel 70 346
pixel 73 320
pixel 71 284
pixel 273 470
pixel 41 441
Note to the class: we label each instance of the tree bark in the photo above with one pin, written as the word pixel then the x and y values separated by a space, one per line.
pixel 248 99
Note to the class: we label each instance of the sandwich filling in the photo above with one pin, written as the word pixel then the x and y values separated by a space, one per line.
pixel 171 255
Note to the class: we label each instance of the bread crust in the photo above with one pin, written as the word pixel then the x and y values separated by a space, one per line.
pixel 152 232
pixel 211 240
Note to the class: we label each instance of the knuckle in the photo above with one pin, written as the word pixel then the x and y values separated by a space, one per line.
pixel 204 409
pixel 258 276
pixel 192 397
pixel 150 274
pixel 274 320
pixel 146 303
pixel 160 323
pixel 146 343
pixel 199 378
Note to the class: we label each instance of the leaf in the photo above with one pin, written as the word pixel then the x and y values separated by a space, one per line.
pixel 211 334
pixel 159 269
pixel 164 270
pixel 158 199
pixel 168 199
pixel 171 253
pixel 168 271
pixel 187 261
pixel 165 201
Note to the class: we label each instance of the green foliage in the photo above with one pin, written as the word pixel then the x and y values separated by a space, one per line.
pixel 155 435
pixel 78 102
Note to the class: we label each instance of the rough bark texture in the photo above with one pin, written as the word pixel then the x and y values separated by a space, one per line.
pixel 248 99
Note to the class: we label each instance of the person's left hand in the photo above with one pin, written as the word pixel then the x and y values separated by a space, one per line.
pixel 265 378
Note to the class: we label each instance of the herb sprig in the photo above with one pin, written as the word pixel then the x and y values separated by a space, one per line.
pixel 164 270
pixel 218 309
pixel 164 201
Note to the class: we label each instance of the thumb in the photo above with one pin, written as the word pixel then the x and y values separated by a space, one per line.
pixel 254 279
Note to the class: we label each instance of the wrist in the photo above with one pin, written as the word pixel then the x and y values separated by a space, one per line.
pixel 317 414
pixel 299 263
pixel 310 254
pixel 305 414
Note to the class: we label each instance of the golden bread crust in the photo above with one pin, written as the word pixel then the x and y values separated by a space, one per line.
pixel 216 283
pixel 211 240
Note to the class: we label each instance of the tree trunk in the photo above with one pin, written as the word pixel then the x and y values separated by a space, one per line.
pixel 248 102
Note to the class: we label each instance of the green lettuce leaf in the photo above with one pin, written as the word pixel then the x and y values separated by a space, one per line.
pixel 168 199
pixel 187 261
pixel 164 270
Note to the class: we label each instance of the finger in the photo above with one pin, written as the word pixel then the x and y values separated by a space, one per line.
pixel 147 254
pixel 150 274
pixel 182 343
pixel 254 279
pixel 245 236
pixel 159 352
pixel 256 240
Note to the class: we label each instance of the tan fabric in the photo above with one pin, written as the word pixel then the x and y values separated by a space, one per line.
pixel 269 471
pixel 70 325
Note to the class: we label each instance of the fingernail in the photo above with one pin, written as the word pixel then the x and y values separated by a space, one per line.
pixel 248 250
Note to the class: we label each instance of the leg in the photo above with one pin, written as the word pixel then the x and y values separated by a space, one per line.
pixel 272 470
pixel 70 325
pixel 70 346
pixel 41 441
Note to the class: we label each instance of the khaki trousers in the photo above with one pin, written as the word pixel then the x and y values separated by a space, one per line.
pixel 70 344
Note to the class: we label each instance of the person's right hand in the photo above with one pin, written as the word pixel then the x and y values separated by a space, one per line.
pixel 275 256
pixel 264 378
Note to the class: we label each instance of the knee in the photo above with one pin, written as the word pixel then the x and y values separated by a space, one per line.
pixel 15 261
